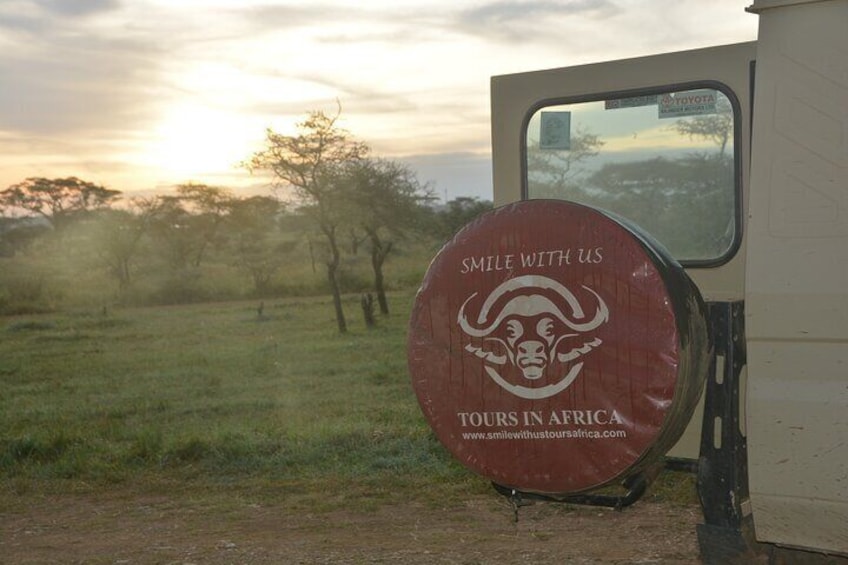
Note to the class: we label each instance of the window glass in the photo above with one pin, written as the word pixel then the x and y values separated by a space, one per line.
pixel 663 161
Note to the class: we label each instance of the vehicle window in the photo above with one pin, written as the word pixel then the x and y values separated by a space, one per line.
pixel 664 161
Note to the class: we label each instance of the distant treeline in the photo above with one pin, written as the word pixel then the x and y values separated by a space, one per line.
pixel 67 242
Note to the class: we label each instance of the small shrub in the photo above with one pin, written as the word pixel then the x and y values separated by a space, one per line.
pixel 146 446
pixel 44 450
pixel 184 287
pixel 192 451
pixel 24 294
pixel 18 450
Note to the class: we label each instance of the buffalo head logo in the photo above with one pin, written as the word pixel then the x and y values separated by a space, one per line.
pixel 530 322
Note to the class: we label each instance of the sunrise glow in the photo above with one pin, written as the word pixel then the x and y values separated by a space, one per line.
pixel 154 93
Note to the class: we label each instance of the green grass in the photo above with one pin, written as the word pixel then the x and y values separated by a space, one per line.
pixel 215 394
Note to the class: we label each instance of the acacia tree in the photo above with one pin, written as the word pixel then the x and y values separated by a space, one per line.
pixel 251 223
pixel 120 235
pixel 716 127
pixel 16 234
pixel 456 213
pixel 188 222
pixel 311 164
pixel 208 207
pixel 57 200
pixel 386 200
pixel 686 203
pixel 552 173
pixel 170 228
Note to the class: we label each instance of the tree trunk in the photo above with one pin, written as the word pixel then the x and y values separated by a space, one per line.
pixel 124 274
pixel 332 278
pixel 378 257
pixel 337 298
pixel 379 287
pixel 367 302
pixel 312 255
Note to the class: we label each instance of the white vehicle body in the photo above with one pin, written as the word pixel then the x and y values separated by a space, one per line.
pixel 786 254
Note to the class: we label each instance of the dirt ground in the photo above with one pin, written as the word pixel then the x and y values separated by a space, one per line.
pixel 130 529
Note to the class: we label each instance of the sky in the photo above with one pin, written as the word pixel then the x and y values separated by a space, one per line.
pixel 142 95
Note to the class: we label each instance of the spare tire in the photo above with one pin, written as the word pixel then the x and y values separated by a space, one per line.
pixel 555 349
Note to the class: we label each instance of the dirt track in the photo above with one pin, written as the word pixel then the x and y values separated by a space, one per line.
pixel 120 529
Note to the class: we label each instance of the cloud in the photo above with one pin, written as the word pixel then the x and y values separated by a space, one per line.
pixel 278 18
pixel 43 15
pixel 63 73
pixel 526 21
pixel 78 7
pixel 87 82
pixel 96 84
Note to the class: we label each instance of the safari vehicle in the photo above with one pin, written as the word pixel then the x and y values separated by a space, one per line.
pixel 767 235
pixel 729 166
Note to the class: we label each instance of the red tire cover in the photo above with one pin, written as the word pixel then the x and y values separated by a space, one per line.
pixel 545 347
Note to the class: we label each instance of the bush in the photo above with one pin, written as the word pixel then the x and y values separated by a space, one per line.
pixel 27 294
pixel 183 287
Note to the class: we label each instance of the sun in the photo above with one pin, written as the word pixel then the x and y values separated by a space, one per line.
pixel 193 140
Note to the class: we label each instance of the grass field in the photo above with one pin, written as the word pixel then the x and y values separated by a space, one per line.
pixel 194 396
pixel 215 393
